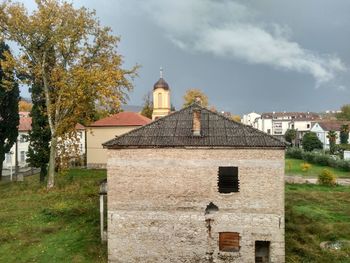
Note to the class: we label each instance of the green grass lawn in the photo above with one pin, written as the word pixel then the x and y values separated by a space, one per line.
pixel 293 167
pixel 60 225
pixel 314 214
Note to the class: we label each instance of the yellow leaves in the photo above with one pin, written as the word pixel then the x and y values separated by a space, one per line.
pixel 73 53
pixel 24 106
pixel 191 95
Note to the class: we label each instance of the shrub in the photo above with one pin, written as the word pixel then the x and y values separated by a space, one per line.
pixel 311 142
pixel 294 152
pixel 327 178
pixel 321 159
pixel 308 156
pixel 305 167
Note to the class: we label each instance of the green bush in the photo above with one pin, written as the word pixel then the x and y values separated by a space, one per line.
pixel 308 156
pixel 318 158
pixel 322 159
pixel 327 178
pixel 294 152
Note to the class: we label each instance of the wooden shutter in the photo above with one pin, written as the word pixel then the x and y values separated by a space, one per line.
pixel 229 241
pixel 228 179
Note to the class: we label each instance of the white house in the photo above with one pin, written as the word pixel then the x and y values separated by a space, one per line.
pixel 25 126
pixel 322 128
pixel 249 119
pixel 277 123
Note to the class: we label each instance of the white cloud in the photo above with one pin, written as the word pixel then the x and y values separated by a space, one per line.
pixel 229 29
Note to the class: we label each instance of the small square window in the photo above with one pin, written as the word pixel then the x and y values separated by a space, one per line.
pixel 228 179
pixel 229 241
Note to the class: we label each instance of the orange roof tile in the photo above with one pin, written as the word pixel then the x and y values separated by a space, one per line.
pixel 122 119
pixel 79 126
pixel 25 124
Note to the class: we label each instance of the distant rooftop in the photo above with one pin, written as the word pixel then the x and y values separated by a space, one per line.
pixel 175 130
pixel 122 119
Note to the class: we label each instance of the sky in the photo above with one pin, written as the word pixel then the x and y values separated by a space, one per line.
pixel 267 55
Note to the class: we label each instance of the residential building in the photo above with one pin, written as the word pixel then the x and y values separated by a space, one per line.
pixel 250 118
pixel 277 123
pixel 25 125
pixel 195 186
pixel 109 127
pixel 322 128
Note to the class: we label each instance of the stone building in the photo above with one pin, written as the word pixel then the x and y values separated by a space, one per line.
pixel 195 186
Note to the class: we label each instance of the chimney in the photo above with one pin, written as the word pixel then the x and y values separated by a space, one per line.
pixel 198 100
pixel 196 129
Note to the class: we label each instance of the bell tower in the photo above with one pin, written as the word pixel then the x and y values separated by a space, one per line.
pixel 161 98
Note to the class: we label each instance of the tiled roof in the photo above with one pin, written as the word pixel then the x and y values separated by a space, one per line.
pixel 332 125
pixel 122 119
pixel 25 124
pixel 293 115
pixel 175 130
pixel 79 126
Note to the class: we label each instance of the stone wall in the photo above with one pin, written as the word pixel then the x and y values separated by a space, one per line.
pixel 157 200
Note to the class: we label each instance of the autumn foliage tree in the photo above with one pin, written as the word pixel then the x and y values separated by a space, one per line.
pixel 191 95
pixel 24 105
pixel 73 56
pixel 147 109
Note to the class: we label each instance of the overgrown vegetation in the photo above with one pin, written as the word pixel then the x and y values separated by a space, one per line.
pixel 295 167
pixel 318 158
pixel 327 178
pixel 61 225
pixel 314 214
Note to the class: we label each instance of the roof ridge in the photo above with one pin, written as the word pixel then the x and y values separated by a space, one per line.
pixel 176 133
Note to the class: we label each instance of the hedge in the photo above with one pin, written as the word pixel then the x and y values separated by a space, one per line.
pixel 318 158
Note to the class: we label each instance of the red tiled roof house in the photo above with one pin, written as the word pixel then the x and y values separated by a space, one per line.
pixel 106 129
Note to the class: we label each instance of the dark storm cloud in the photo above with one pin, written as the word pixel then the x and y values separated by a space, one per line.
pixel 246 55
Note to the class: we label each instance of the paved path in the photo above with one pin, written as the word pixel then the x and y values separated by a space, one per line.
pixel 299 179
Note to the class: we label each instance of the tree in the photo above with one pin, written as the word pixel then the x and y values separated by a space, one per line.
pixel 147 109
pixel 345 113
pixel 24 106
pixel 332 137
pixel 344 134
pixel 236 118
pixel 290 136
pixel 9 98
pixel 311 142
pixel 40 135
pixel 191 95
pixel 74 58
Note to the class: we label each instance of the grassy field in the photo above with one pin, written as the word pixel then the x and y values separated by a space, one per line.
pixel 61 225
pixel 293 167
pixel 315 214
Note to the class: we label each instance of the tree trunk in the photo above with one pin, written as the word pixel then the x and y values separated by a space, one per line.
pixel 52 163
pixel 0 169
pixel 43 171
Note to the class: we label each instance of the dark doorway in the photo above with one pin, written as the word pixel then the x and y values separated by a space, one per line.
pixel 262 251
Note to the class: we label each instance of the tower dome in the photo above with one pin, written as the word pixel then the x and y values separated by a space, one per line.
pixel 161 84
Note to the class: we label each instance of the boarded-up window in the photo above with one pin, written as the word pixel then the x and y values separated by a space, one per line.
pixel 228 179
pixel 229 241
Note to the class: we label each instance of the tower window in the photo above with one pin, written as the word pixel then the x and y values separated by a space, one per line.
pixel 228 179
pixel 160 103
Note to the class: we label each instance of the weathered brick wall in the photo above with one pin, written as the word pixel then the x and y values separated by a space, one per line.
pixel 157 199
